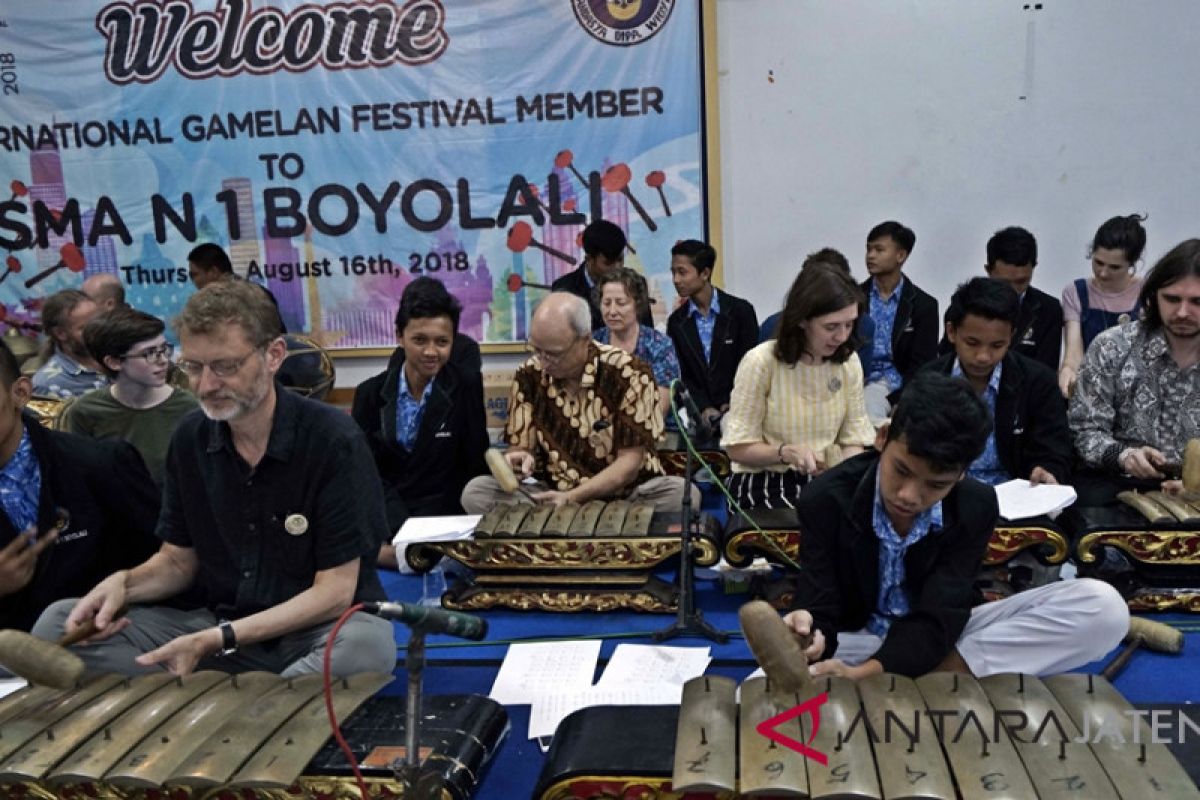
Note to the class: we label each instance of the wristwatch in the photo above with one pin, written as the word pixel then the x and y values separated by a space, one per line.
pixel 229 644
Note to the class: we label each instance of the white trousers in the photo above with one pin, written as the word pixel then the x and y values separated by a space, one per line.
pixel 1044 631
pixel 875 398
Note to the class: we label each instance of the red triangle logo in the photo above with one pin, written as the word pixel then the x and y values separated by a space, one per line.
pixel 811 708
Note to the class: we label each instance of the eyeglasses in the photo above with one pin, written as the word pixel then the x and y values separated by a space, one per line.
pixel 163 351
pixel 552 356
pixel 222 368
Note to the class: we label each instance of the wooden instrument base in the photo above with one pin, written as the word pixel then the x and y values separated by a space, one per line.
pixel 647 594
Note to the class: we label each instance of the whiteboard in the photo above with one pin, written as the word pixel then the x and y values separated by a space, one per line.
pixel 957 119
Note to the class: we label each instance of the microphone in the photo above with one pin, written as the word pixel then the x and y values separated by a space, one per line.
pixel 703 429
pixel 431 620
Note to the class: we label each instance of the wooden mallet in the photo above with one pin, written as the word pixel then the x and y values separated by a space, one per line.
pixel 1154 635
pixel 776 647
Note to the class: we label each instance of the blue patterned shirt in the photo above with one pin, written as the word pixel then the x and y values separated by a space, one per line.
pixel 409 412
pixel 883 312
pixel 987 468
pixel 21 485
pixel 653 347
pixel 893 595
pixel 63 376
pixel 705 322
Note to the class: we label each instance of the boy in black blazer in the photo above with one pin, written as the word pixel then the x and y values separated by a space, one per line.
pixel 711 330
pixel 1038 331
pixel 603 251
pixel 1030 438
pixel 890 545
pixel 424 416
pixel 906 318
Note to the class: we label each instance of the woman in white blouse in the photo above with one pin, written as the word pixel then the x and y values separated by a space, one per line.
pixel 798 393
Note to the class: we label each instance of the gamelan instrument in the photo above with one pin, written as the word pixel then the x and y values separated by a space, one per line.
pixel 943 736
pixel 597 556
pixel 213 735
pixel 1161 551
pixel 778 529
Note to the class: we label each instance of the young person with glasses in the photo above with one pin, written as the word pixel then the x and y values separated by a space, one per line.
pixel 139 406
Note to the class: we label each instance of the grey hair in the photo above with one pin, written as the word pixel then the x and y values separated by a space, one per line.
pixel 574 311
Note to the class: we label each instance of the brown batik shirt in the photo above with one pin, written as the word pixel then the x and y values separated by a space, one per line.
pixel 572 439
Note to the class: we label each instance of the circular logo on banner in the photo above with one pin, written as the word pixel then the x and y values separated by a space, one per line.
pixel 622 22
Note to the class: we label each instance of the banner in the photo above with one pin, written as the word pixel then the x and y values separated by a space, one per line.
pixel 337 150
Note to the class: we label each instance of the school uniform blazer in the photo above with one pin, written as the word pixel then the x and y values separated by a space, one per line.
pixel 1031 417
pixel 448 450
pixel 735 332
pixel 1039 330
pixel 839 565
pixel 915 333
pixel 576 282
pixel 111 505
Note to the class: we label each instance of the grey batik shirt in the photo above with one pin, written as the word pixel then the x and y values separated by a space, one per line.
pixel 1132 393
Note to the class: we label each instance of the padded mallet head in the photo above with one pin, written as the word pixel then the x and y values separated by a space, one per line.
pixel 38 661
pixel 1191 466
pixel 500 469
pixel 775 646
pixel 1156 636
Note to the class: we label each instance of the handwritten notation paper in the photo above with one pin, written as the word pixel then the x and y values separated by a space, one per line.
pixel 555 678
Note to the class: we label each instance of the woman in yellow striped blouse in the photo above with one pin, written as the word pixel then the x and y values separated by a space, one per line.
pixel 798 393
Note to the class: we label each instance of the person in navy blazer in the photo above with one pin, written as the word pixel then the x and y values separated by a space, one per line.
pixel 711 330
pixel 424 416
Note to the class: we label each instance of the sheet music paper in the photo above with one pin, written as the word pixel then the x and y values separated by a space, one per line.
pixel 531 671
pixel 432 529
pixel 650 664
pixel 1019 499
pixel 549 709
pixel 10 685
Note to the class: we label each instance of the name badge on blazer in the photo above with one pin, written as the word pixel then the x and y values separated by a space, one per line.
pixel 443 434
pixel 729 341
pixel 908 328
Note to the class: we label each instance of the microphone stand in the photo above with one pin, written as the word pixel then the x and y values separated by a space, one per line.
pixel 417 784
pixel 689 620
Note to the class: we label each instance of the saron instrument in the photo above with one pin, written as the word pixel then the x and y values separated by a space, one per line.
pixel 597 556
pixel 943 736
pixel 212 735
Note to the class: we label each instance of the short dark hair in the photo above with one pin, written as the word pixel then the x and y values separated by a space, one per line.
pixel 1012 245
pixel 1182 262
pixel 10 369
pixel 899 234
pixel 1122 233
pixel 112 334
pixel 702 256
pixel 818 290
pixel 989 298
pixel 942 421
pixel 426 298
pixel 604 238
pixel 829 257
pixel 210 256
pixel 635 287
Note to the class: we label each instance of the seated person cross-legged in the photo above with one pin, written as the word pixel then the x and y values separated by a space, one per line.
pixel 891 542
pixel 423 416
pixel 1029 437
pixel 583 418
pixel 1137 401
pixel 272 508
pixel 795 395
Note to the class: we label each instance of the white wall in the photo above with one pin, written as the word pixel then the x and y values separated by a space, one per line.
pixel 913 111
